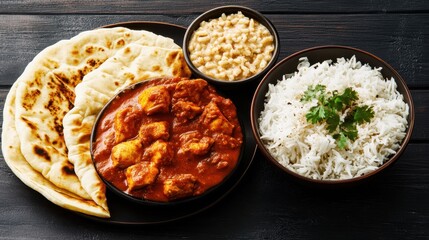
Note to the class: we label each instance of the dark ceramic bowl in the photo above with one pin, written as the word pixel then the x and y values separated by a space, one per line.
pixel 216 13
pixel 196 199
pixel 319 54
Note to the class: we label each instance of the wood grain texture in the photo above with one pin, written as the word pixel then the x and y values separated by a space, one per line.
pixel 266 204
pixel 191 7
pixel 398 39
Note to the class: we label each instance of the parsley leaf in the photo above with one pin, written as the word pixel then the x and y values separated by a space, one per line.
pixel 349 96
pixel 316 114
pixel 341 140
pixel 329 109
pixel 336 101
pixel 313 92
pixel 363 114
pixel 333 120
pixel 349 130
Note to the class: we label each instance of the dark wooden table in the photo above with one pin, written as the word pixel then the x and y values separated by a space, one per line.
pixel 265 204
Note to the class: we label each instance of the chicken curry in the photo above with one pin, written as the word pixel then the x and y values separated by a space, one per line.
pixel 167 139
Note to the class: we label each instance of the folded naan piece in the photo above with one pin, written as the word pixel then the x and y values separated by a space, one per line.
pixel 132 64
pixel 11 149
pixel 45 93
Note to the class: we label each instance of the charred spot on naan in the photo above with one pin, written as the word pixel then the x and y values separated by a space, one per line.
pixel 41 152
pixel 37 82
pixel 58 126
pixel 87 48
pixel 171 57
pixel 29 123
pixel 84 138
pixel 75 51
pixel 56 122
pixel 75 76
pixel 91 49
pixel 127 50
pixel 177 62
pixel 50 63
pixel 46 138
pixel 102 188
pixel 61 76
pixel 182 70
pixel 60 91
pixel 129 76
pixel 31 97
pixel 120 43
pixel 55 110
pixel 68 169
pixel 93 62
pixel 156 68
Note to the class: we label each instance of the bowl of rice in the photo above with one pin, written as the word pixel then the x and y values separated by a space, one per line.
pixel 231 45
pixel 332 115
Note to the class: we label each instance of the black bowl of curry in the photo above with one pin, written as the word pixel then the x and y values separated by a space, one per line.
pixel 166 140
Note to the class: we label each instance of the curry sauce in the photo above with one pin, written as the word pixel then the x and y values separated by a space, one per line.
pixel 167 139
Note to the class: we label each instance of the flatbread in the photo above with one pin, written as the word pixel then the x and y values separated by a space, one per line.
pixel 40 99
pixel 15 160
pixel 132 64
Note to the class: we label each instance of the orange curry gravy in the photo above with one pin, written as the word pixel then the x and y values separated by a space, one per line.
pixel 167 139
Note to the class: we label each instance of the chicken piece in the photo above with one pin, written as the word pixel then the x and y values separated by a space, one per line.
pixel 196 146
pixel 201 147
pixel 127 153
pixel 227 107
pixel 213 119
pixel 180 186
pixel 151 132
pixel 126 123
pixel 225 142
pixel 155 100
pixel 141 174
pixel 189 136
pixel 160 153
pixel 221 165
pixel 189 90
pixel 221 160
pixel 184 110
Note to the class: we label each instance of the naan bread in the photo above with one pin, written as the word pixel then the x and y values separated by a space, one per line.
pixel 15 160
pixel 43 96
pixel 132 64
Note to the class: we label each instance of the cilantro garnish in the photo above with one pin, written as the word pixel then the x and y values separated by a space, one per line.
pixel 330 107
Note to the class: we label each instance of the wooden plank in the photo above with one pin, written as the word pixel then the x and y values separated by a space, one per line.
pixel 399 39
pixel 421 105
pixel 183 7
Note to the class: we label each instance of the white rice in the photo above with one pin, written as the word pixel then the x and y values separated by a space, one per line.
pixel 309 149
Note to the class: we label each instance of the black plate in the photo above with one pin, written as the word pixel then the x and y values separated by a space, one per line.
pixel 127 212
